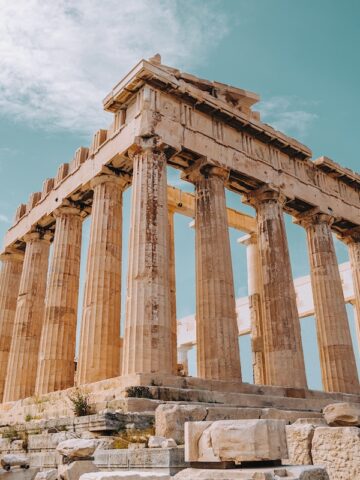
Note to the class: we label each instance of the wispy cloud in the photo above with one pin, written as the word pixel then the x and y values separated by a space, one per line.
pixel 4 218
pixel 287 114
pixel 59 59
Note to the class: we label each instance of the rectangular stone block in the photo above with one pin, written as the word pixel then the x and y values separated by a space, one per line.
pixel 235 441
pixel 293 473
pixel 338 449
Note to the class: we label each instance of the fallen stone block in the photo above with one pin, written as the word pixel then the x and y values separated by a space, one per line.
pixel 155 441
pixel 235 441
pixel 170 419
pixel 338 449
pixel 342 414
pixel 12 460
pixel 74 470
pixel 47 475
pixel 299 437
pixel 77 448
pixel 19 474
pixel 126 475
pixel 290 473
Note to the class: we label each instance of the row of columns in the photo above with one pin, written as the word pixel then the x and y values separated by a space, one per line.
pixel 39 314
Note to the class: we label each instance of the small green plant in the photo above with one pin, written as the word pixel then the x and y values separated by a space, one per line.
pixel 12 434
pixel 28 417
pixel 124 438
pixel 80 402
pixel 139 392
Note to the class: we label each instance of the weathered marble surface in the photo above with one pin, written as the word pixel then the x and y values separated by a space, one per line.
pixel 291 473
pixel 342 414
pixel 338 449
pixel 235 441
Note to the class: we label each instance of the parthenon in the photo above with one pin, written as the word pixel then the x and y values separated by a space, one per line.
pixel 209 131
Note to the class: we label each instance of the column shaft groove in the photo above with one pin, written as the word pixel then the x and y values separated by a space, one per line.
pixel 23 358
pixel 338 367
pixel 11 268
pixel 218 354
pixel 56 367
pixel 283 351
pixel 148 340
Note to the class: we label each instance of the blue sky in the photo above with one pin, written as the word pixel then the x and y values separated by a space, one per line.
pixel 58 61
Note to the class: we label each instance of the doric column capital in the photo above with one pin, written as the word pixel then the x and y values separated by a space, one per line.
pixel 203 169
pixel 265 194
pixel 313 217
pixel 44 236
pixel 67 208
pixel 350 236
pixel 110 177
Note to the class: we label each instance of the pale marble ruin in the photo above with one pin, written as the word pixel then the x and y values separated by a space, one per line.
pixel 208 130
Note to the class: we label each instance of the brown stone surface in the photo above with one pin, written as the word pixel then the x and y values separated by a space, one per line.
pixel 10 274
pixel 337 359
pixel 218 354
pixel 283 351
pixel 99 356
pixel 22 365
pixel 56 365
pixel 148 328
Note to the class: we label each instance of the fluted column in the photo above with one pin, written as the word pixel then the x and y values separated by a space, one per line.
pixel 23 358
pixel 353 243
pixel 10 274
pixel 172 283
pixel 283 351
pixel 217 335
pixel 148 339
pixel 57 346
pixel 337 359
pixel 99 353
pixel 183 358
pixel 255 306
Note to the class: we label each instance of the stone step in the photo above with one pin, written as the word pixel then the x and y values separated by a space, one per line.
pixel 238 399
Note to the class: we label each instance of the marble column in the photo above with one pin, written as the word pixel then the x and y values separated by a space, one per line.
pixel 283 351
pixel 148 340
pixel 10 274
pixel 172 283
pixel 218 356
pixel 99 352
pixel 183 357
pixel 23 357
pixel 56 367
pixel 353 243
pixel 337 359
pixel 255 306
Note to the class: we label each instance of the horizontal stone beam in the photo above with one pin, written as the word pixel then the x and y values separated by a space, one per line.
pixel 184 203
pixel 187 327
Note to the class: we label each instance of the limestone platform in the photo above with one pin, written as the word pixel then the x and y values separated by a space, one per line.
pixel 145 392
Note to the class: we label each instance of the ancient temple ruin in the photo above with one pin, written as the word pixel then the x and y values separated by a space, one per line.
pixel 210 132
